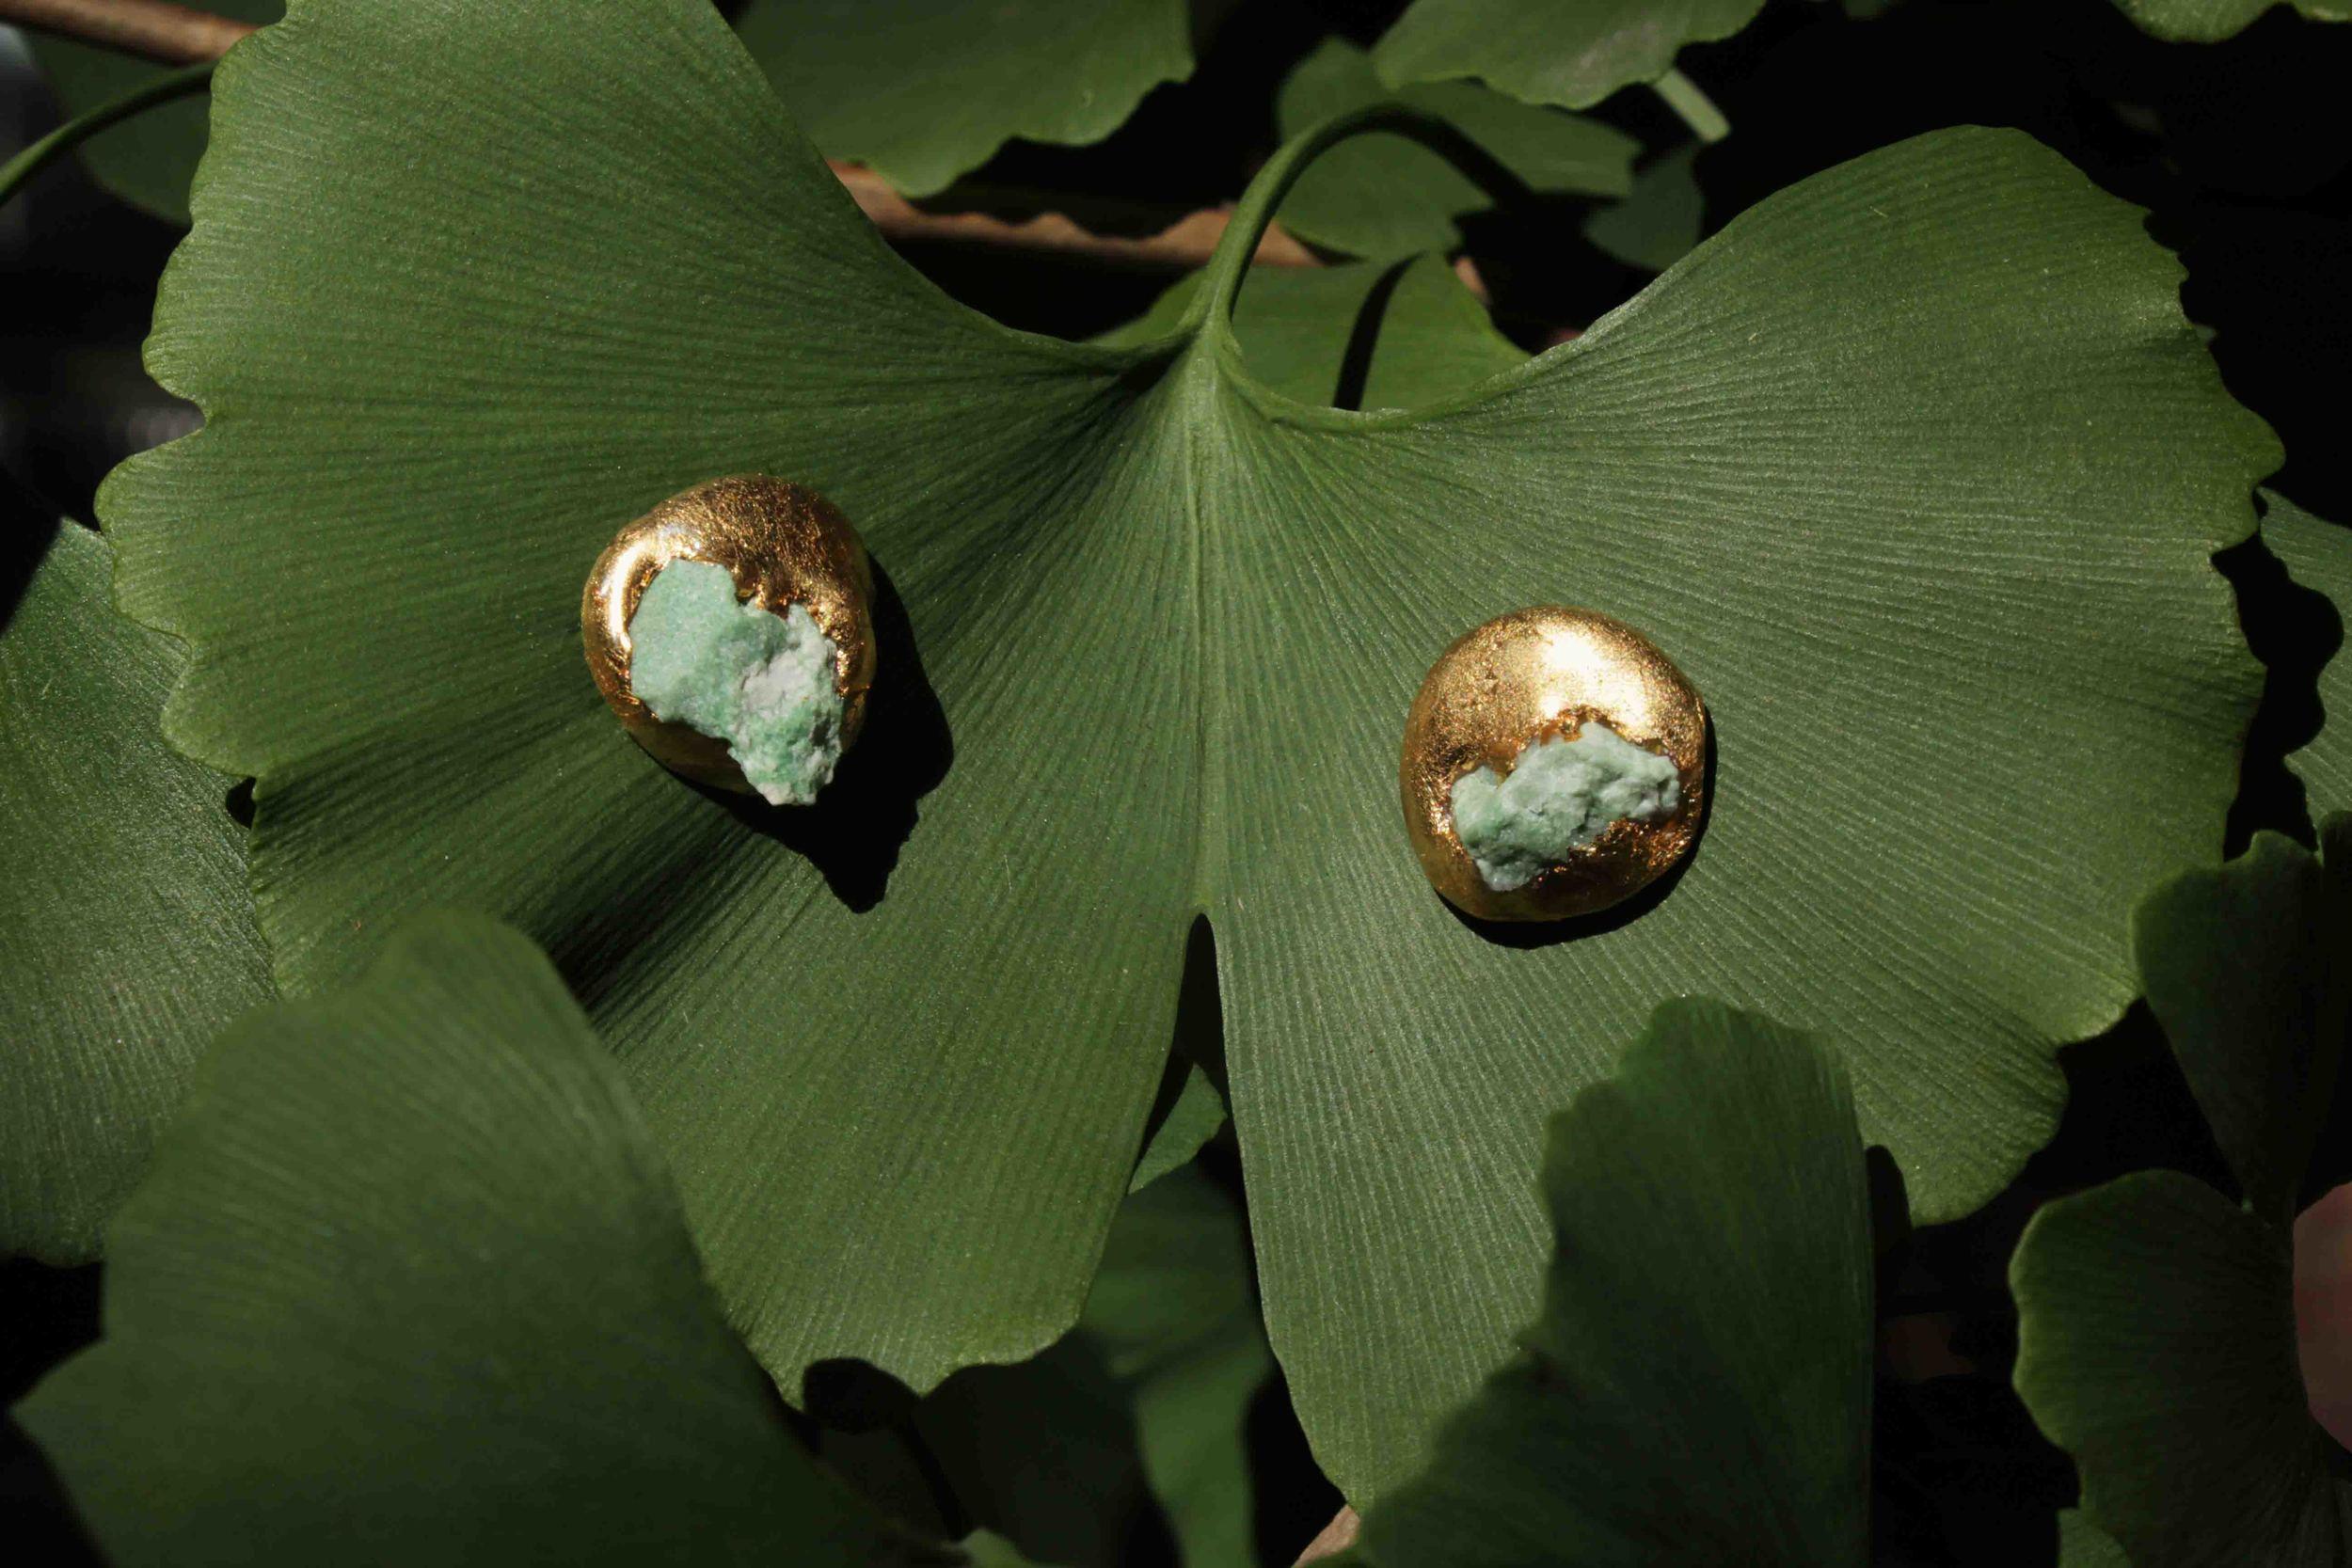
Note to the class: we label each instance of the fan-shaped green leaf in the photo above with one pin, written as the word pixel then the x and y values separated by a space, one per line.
pixel 2210 21
pixel 2156 1319
pixel 2318 555
pixel 1572 53
pixel 408 1284
pixel 924 90
pixel 1172 1313
pixel 127 935
pixel 148 160
pixel 1388 196
pixel 2156 1345
pixel 1066 1454
pixel 1915 469
pixel 1657 225
pixel 1697 1388
pixel 2247 967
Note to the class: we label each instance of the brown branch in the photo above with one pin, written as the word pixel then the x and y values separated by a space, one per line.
pixel 1336 1537
pixel 175 35
pixel 151 29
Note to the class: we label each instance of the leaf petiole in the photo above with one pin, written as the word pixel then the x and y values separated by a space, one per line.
pixel 1698 111
pixel 164 90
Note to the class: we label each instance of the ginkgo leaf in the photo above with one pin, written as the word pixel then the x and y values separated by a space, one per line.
pixel 1697 1387
pixel 1660 220
pixel 2318 555
pixel 2156 1333
pixel 127 935
pixel 148 159
pixel 2247 969
pixel 2156 1345
pixel 1572 53
pixel 2084 1545
pixel 1915 469
pixel 1363 335
pixel 924 90
pixel 1139 1412
pixel 1172 1313
pixel 408 1284
pixel 1388 196
pixel 2210 21
pixel 1195 1116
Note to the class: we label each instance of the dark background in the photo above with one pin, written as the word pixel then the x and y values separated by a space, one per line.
pixel 2242 153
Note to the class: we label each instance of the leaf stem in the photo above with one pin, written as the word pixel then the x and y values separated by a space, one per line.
pixel 170 86
pixel 1253 216
pixel 1697 110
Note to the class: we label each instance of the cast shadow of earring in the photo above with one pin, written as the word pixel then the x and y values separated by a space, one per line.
pixel 854 832
pixel 1550 933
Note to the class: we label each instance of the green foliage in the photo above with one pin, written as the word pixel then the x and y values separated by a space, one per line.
pixel 2083 1545
pixel 127 937
pixel 2156 1334
pixel 1299 328
pixel 1172 1314
pixel 1143 1404
pixel 1850 465
pixel 408 1284
pixel 1195 1116
pixel 2210 21
pixel 149 161
pixel 1572 53
pixel 1388 196
pixel 1697 1387
pixel 2246 968
pixel 1656 225
pixel 2318 555
pixel 925 91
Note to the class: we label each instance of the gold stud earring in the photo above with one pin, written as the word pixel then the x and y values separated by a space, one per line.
pixel 730 629
pixel 1554 763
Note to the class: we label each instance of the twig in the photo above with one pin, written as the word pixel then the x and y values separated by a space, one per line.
pixel 175 35
pixel 151 29
pixel 1336 1537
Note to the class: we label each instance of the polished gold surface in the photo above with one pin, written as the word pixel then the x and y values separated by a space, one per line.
pixel 1534 674
pixel 784 544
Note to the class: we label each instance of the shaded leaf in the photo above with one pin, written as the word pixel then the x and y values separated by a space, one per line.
pixel 1660 220
pixel 127 935
pixel 2246 969
pixel 1197 1115
pixel 1572 53
pixel 2083 1545
pixel 2156 1319
pixel 408 1284
pixel 923 91
pixel 1363 335
pixel 2156 1345
pixel 2318 555
pixel 1068 1453
pixel 1173 1311
pixel 1697 1388
pixel 1914 468
pixel 150 159
pixel 2210 21
pixel 1388 196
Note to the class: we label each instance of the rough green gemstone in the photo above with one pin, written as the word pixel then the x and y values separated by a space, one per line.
pixel 1560 795
pixel 763 683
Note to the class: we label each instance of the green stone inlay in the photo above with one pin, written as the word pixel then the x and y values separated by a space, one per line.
pixel 762 683
pixel 1560 795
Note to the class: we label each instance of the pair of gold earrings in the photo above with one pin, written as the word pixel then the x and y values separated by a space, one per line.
pixel 1555 761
